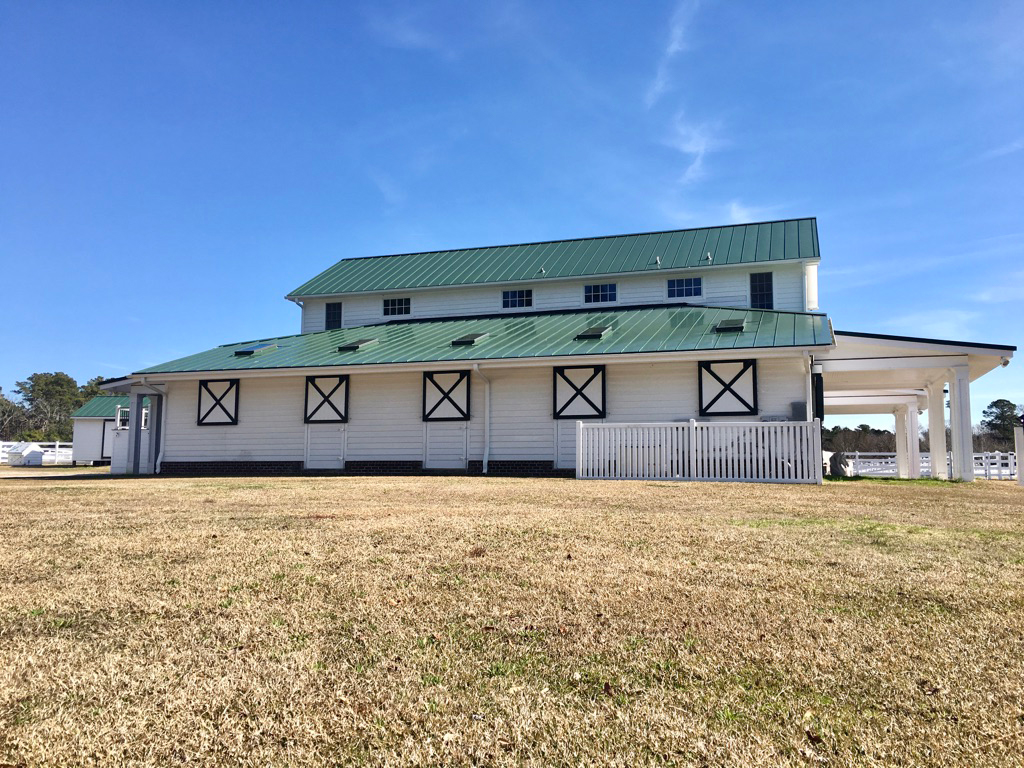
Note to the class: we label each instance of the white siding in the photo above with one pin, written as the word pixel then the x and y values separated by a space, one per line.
pixel 87 440
pixel 722 287
pixel 386 416
pixel 269 425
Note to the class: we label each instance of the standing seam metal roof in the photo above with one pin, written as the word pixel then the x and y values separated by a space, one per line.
pixel 678 249
pixel 548 334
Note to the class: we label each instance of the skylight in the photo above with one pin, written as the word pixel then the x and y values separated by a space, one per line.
pixel 255 349
pixel 355 346
pixel 730 326
pixel 468 340
pixel 593 332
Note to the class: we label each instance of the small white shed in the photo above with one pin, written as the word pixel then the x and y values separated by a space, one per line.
pixel 25 455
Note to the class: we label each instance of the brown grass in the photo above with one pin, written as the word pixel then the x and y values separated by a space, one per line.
pixel 260 621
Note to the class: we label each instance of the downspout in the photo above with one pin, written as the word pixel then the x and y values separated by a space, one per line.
pixel 809 416
pixel 487 414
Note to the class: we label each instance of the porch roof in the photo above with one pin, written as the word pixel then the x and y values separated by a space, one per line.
pixel 630 330
pixel 876 373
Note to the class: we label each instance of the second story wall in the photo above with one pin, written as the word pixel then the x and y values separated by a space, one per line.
pixel 726 287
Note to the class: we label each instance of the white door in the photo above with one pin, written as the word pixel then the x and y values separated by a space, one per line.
pixel 326 446
pixel 446 444
pixel 107 445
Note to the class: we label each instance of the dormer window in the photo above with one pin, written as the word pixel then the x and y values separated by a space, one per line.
pixel 397 306
pixel 761 291
pixel 685 287
pixel 600 293
pixel 516 299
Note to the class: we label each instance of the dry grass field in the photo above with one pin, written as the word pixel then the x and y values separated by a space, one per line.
pixel 455 621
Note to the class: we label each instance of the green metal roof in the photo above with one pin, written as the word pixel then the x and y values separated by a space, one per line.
pixel 551 334
pixel 677 249
pixel 102 407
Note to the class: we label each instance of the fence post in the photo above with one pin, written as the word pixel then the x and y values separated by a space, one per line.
pixel 817 454
pixel 691 460
pixel 579 449
pixel 1018 446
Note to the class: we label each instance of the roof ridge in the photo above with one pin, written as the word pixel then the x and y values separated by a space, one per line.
pixel 576 239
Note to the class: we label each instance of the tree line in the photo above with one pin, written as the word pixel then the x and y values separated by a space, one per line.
pixel 995 433
pixel 42 410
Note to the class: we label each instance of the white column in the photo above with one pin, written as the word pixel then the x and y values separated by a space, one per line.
pixel 914 442
pixel 937 430
pixel 135 448
pixel 902 460
pixel 960 424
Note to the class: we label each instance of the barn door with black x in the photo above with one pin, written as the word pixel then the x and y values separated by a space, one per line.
pixel 446 416
pixel 728 388
pixel 326 413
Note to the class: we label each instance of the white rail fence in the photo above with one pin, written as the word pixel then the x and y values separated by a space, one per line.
pixel 771 452
pixel 990 465
pixel 53 453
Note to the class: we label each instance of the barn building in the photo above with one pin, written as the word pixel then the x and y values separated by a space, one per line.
pixel 537 358
pixel 96 426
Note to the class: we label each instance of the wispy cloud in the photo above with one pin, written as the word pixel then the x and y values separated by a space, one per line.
pixel 948 324
pixel 405 29
pixel 1009 287
pixel 1006 149
pixel 389 189
pixel 677 43
pixel 738 213
pixel 694 140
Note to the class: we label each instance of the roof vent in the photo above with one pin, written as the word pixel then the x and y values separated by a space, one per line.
pixel 468 340
pixel 593 332
pixel 730 326
pixel 355 346
pixel 255 349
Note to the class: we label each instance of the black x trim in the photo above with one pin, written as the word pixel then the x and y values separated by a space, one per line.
pixel 446 395
pixel 599 411
pixel 218 402
pixel 727 387
pixel 325 399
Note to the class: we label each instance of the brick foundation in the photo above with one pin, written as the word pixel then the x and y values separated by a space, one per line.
pixel 525 468
pixel 231 468
pixel 382 468
pixel 519 468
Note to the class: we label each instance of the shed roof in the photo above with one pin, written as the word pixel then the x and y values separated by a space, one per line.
pixel 102 407
pixel 676 249
pixel 631 330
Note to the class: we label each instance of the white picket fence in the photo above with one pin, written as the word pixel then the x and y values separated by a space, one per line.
pixel 990 465
pixel 769 452
pixel 53 453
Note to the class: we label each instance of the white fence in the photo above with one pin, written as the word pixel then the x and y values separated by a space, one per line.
pixel 53 453
pixel 772 452
pixel 991 465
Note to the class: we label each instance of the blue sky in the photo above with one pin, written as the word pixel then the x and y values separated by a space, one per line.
pixel 168 171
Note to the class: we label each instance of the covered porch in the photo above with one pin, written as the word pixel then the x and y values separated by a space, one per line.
pixel 908 377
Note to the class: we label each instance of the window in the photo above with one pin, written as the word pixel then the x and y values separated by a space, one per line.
pixel 333 315
pixel 593 294
pixel 761 290
pixel 123 414
pixel 397 306
pixel 446 396
pixel 515 299
pixel 685 287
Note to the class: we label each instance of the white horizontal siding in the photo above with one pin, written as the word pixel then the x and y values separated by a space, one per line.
pixel 723 288
pixel 269 428
pixel 386 415
pixel 87 440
